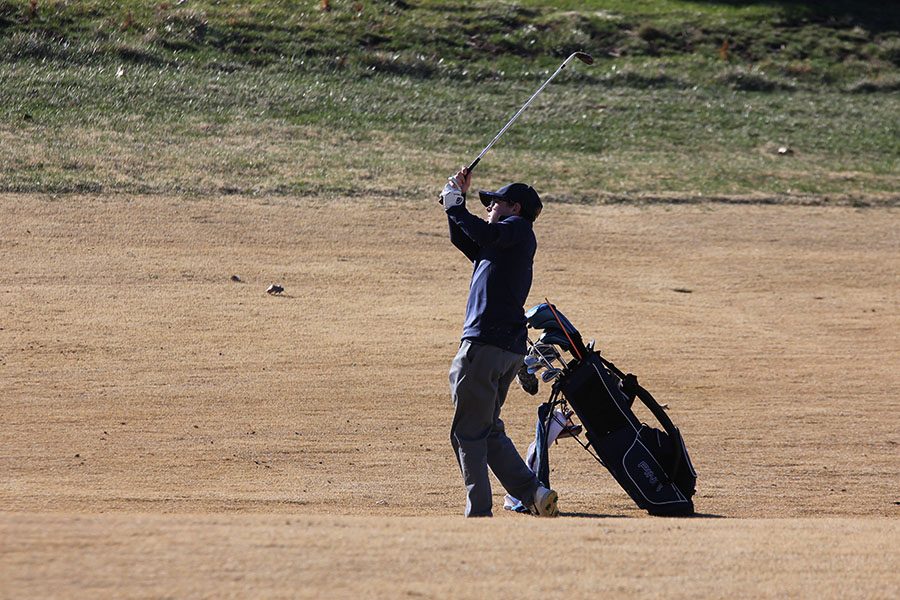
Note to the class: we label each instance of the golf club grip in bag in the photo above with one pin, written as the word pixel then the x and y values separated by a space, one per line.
pixel 652 466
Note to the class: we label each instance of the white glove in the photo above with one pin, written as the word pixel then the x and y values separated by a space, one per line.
pixel 451 195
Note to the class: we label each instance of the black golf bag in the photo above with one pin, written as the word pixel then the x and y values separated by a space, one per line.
pixel 652 465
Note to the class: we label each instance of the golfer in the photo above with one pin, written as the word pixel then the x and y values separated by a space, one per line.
pixel 493 341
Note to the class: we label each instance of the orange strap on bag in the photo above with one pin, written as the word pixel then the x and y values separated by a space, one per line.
pixel 563 327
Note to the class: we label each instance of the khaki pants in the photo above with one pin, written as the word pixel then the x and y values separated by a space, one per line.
pixel 480 377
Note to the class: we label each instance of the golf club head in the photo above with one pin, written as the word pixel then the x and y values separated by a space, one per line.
pixel 556 338
pixel 544 354
pixel 550 374
pixel 584 57
pixel 533 364
pixel 543 317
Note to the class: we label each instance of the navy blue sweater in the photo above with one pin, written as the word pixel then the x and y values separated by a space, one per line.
pixel 503 257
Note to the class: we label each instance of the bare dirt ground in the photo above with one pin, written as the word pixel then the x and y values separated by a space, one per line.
pixel 171 432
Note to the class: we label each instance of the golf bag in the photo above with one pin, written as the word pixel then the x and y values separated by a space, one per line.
pixel 651 465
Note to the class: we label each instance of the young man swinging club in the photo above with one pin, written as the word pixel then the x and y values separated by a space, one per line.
pixel 494 340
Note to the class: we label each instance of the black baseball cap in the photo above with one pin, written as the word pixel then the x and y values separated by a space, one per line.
pixel 522 193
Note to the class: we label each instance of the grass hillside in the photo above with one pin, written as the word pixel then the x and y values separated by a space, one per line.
pixel 685 100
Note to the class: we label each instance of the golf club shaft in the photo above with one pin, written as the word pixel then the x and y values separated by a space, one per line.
pixel 579 55
pixel 541 355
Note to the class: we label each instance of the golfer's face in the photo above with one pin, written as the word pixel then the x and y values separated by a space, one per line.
pixel 498 209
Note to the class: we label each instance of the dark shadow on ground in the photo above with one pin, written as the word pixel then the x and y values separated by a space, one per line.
pixel 584 515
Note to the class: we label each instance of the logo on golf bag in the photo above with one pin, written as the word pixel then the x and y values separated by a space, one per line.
pixel 650 475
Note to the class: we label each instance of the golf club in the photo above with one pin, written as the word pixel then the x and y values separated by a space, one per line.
pixel 582 56
pixel 533 364
pixel 550 374
pixel 540 355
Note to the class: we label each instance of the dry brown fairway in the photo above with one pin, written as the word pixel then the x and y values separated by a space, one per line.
pixel 302 440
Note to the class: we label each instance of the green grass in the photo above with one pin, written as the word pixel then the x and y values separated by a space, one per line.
pixel 388 97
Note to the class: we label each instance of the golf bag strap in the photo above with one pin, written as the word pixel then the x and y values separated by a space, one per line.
pixel 667 424
pixel 553 396
pixel 633 388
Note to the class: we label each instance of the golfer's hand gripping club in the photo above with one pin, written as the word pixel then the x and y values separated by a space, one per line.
pixel 455 189
pixel 452 194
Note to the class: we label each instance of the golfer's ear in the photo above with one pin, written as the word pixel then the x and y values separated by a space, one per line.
pixel 517 209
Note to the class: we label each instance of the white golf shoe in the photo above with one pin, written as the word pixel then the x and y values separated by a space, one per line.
pixel 545 503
